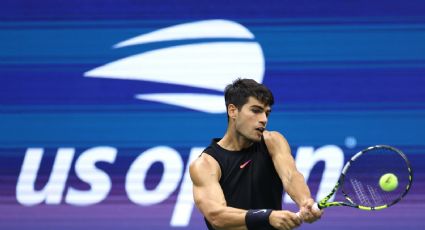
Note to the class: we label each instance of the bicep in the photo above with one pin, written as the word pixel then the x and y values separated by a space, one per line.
pixel 209 197
pixel 207 192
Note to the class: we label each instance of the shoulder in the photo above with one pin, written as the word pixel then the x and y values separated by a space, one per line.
pixel 275 142
pixel 273 136
pixel 204 165
pixel 204 161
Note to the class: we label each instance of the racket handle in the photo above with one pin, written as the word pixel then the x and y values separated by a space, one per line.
pixel 315 207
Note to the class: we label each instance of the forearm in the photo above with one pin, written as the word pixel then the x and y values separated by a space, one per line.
pixel 284 163
pixel 226 218
pixel 297 188
pixel 292 180
pixel 237 219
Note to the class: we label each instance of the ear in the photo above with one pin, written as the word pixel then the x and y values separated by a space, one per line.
pixel 232 111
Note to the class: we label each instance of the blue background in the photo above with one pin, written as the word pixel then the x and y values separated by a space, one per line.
pixel 338 69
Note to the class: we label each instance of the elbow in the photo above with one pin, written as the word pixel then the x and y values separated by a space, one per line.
pixel 217 226
pixel 213 215
pixel 216 220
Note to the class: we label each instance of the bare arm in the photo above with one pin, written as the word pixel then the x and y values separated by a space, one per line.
pixel 209 198
pixel 292 179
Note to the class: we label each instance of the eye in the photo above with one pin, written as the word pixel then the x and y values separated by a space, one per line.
pixel 256 110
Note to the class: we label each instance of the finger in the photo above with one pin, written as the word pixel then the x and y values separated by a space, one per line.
pixel 307 218
pixel 306 214
pixel 285 226
pixel 317 213
pixel 312 216
pixel 296 220
pixel 289 223
pixel 303 213
pixel 299 215
pixel 309 205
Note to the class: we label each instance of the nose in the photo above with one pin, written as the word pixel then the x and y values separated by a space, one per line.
pixel 263 119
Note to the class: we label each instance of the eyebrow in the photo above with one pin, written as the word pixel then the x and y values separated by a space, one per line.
pixel 261 107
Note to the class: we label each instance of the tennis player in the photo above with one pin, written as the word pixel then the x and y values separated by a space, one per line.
pixel 238 180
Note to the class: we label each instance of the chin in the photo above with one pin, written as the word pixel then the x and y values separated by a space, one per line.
pixel 255 139
pixel 252 137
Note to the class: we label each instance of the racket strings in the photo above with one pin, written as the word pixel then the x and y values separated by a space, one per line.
pixel 374 194
pixel 368 195
pixel 360 192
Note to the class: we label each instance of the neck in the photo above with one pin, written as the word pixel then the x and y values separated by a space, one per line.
pixel 233 141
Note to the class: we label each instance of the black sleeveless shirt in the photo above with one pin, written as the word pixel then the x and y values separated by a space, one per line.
pixel 248 177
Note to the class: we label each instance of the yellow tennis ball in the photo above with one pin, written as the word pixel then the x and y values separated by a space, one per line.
pixel 388 182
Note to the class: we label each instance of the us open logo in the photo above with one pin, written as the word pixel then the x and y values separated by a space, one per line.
pixel 202 64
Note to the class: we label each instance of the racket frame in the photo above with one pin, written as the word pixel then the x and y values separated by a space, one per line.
pixel 324 202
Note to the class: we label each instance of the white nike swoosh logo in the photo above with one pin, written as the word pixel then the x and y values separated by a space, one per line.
pixel 262 210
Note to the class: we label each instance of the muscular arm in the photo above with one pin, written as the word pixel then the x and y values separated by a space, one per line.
pixel 209 197
pixel 284 163
pixel 292 179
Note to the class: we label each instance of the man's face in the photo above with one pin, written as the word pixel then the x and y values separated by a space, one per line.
pixel 251 120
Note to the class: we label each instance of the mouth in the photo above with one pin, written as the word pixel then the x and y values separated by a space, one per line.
pixel 260 129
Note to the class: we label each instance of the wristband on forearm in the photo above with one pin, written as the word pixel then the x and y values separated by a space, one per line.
pixel 258 219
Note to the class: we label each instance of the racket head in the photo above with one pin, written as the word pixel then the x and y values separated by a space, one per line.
pixel 359 182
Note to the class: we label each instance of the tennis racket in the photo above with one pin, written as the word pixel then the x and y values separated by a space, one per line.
pixel 359 180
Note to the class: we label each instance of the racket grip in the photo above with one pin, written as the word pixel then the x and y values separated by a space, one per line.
pixel 315 207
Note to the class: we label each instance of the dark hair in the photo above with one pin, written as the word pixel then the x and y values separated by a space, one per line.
pixel 240 90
